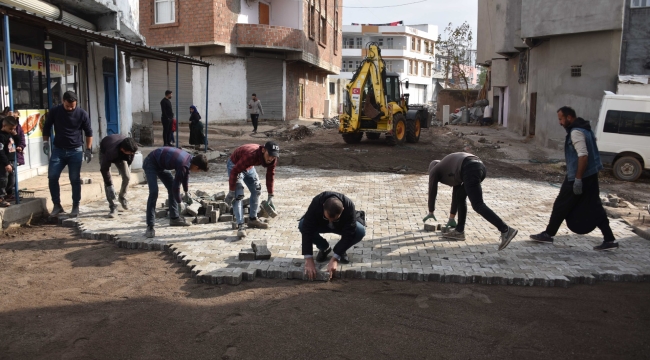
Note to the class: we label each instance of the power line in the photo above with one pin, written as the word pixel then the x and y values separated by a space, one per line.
pixel 379 7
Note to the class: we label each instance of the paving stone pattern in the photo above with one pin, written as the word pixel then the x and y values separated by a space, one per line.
pixel 396 247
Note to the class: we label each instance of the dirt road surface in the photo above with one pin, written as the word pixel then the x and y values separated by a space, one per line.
pixel 67 298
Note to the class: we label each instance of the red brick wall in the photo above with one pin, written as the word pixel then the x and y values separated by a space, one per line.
pixel 315 93
pixel 324 52
pixel 455 99
pixel 271 36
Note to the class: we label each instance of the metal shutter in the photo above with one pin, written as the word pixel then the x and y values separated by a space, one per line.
pixel 264 78
pixel 162 76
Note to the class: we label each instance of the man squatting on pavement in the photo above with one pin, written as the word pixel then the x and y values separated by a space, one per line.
pixel 241 170
pixel 464 172
pixel 330 212
pixel 156 166
pixel 116 150
pixel 579 196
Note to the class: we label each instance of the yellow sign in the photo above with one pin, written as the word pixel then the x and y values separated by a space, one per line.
pixel 32 122
pixel 36 62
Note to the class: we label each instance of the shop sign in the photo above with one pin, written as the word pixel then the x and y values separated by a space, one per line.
pixel 24 60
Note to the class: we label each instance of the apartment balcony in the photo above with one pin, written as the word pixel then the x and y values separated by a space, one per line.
pixel 252 36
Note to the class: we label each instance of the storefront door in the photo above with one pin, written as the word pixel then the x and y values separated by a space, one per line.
pixel 110 102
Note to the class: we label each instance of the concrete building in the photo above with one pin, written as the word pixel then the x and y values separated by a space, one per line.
pixel 282 50
pixel 634 76
pixel 408 50
pixel 81 58
pixel 542 55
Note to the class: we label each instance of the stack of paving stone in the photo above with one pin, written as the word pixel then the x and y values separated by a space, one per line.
pixel 437 227
pixel 258 251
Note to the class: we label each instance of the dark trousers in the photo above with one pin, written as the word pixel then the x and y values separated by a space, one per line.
pixel 152 174
pixel 168 134
pixel 473 173
pixel 10 179
pixel 583 213
pixel 322 244
pixel 254 119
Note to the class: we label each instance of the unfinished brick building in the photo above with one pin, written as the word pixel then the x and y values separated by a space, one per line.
pixel 282 50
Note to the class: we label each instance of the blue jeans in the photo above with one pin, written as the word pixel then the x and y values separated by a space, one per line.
pixel 72 158
pixel 248 177
pixel 322 244
pixel 152 173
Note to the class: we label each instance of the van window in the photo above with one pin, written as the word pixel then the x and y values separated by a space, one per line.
pixel 627 122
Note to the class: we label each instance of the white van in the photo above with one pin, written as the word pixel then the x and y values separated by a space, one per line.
pixel 623 134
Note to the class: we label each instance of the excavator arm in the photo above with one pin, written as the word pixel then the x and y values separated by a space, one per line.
pixel 371 69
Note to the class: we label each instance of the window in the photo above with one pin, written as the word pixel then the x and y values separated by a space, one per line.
pixel 413 43
pixel 359 43
pixel 410 66
pixel 389 43
pixel 350 68
pixel 312 20
pixel 332 88
pixel 640 3
pixel 576 70
pixel 380 41
pixel 418 43
pixel 627 122
pixel 357 63
pixel 389 66
pixel 165 11
pixel 336 28
pixel 323 22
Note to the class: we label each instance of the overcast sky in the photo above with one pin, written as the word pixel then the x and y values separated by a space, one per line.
pixel 436 12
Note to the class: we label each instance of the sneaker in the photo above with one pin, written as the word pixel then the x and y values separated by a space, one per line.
pixel 542 237
pixel 58 209
pixel 113 213
pixel 256 223
pixel 150 232
pixel 322 255
pixel 454 235
pixel 507 237
pixel 344 259
pixel 606 246
pixel 179 221
pixel 241 232
pixel 124 202
pixel 75 211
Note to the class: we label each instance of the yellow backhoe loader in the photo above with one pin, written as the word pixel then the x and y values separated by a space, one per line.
pixel 374 105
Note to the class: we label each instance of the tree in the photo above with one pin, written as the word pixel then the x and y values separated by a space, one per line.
pixel 456 56
pixel 482 76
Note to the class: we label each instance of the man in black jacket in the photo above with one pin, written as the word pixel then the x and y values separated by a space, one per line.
pixel 330 212
pixel 116 150
pixel 166 118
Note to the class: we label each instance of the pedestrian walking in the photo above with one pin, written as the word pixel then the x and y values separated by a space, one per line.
pixel 167 118
pixel 255 107
pixel 464 172
pixel 197 133
pixel 70 122
pixel 7 166
pixel 579 199
pixel 116 150
pixel 330 212
pixel 158 165
pixel 241 170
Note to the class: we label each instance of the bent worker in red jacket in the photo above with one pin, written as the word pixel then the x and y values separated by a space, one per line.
pixel 241 170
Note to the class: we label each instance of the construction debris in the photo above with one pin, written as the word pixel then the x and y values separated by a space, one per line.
pixel 331 123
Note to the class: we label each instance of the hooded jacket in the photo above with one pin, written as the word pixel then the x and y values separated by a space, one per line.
pixel 594 165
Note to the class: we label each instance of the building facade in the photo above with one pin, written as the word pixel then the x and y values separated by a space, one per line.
pixel 76 64
pixel 282 50
pixel 542 55
pixel 408 50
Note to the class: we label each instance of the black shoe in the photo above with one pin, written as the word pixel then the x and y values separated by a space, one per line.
pixel 542 237
pixel 322 255
pixel 606 245
pixel 344 259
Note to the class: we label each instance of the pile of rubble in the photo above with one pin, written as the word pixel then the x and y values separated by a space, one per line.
pixel 332 123
pixel 475 113
pixel 611 200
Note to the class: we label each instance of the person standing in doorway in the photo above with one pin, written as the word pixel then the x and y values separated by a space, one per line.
pixel 167 118
pixel 579 197
pixel 255 106
pixel 69 122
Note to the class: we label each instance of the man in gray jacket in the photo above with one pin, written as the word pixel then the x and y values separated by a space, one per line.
pixel 464 172
pixel 255 106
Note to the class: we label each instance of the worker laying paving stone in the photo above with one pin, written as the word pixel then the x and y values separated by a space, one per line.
pixel 158 165
pixel 241 170
pixel 116 150
pixel 464 172
pixel 330 212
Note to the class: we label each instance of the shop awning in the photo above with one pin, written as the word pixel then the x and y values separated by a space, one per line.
pixel 130 47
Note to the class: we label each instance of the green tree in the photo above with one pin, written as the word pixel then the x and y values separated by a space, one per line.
pixel 482 76
pixel 456 57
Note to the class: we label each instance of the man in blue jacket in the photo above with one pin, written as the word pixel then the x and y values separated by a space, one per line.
pixel 70 122
pixel 579 199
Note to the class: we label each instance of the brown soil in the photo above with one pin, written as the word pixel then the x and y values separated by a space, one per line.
pixel 66 298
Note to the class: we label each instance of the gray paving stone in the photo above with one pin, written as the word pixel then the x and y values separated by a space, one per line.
pixel 225 218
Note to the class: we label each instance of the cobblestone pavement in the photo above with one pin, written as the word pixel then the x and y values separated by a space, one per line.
pixel 395 247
